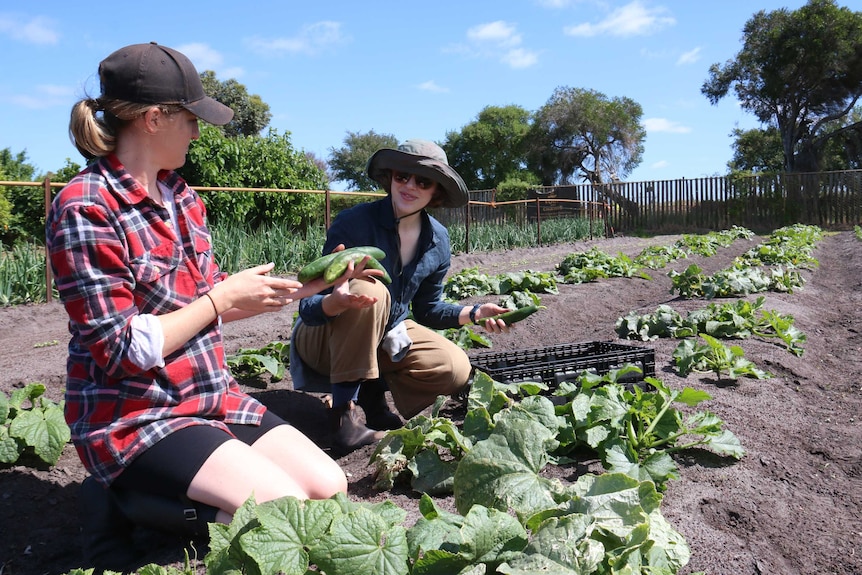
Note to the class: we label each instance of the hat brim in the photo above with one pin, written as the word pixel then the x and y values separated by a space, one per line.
pixel 210 110
pixel 385 160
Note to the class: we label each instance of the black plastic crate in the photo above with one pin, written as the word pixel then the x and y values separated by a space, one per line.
pixel 563 362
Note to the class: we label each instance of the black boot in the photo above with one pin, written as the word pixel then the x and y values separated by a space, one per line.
pixel 348 434
pixel 180 516
pixel 372 400
pixel 105 530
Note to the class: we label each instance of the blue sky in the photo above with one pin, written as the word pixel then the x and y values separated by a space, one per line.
pixel 411 69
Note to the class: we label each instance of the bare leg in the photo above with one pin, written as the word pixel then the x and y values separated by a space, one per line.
pixel 283 462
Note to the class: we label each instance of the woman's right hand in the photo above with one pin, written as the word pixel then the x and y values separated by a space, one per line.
pixel 254 290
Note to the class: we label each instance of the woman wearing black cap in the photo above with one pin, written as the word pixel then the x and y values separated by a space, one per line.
pixel 358 335
pixel 168 436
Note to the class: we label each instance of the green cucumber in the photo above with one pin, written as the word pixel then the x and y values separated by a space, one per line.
pixel 316 268
pixel 338 265
pixel 513 316
pixel 375 264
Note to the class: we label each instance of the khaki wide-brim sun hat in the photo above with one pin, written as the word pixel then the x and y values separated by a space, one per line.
pixel 423 158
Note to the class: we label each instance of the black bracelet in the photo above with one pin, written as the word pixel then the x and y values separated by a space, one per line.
pixel 473 312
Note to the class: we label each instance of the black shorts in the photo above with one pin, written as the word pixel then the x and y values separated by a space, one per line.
pixel 168 467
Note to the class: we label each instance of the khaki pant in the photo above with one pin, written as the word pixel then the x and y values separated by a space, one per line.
pixel 347 348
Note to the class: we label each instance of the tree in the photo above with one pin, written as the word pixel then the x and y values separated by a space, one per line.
pixel 760 151
pixel 490 149
pixel 254 162
pixel 348 162
pixel 582 131
pixel 27 208
pixel 250 113
pixel 757 151
pixel 799 71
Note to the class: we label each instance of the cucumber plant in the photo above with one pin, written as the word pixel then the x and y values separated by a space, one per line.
pixel 30 423
pixel 713 356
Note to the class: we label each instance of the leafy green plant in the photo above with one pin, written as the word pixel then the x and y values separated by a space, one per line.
pixel 632 430
pixel 635 430
pixel 22 275
pixel 600 524
pixel 733 282
pixel 657 257
pixel 713 356
pixel 31 423
pixel 250 365
pixel 739 320
pixel 593 264
pixel 466 338
pixel 857 231
pixel 471 282
pixel 708 244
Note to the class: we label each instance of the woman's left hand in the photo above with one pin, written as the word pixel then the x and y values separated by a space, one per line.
pixel 492 326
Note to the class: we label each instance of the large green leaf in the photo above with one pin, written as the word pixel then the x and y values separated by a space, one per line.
pixel 10 449
pixel 288 527
pixel 502 472
pixel 491 536
pixel 43 430
pixel 362 543
pixel 565 542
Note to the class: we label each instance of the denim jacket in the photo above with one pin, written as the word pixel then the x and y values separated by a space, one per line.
pixel 419 282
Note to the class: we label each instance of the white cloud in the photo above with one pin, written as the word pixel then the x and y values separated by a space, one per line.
pixel 499 33
pixel 38 30
pixel 633 19
pixel 312 39
pixel 44 96
pixel 499 40
pixel 665 125
pixel 432 86
pixel 202 56
pixel 689 57
pixel 520 58
pixel 660 165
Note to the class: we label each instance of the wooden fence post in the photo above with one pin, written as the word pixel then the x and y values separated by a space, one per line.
pixel 467 225
pixel 538 220
pixel 49 279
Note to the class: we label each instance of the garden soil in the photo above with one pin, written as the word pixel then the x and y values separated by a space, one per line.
pixel 791 505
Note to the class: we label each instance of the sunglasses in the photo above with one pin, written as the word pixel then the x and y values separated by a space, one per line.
pixel 422 182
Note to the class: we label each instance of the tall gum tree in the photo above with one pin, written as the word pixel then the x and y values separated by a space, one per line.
pixel 580 131
pixel 800 71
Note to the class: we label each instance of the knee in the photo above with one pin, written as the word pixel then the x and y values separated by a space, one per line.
pixel 370 288
pixel 330 482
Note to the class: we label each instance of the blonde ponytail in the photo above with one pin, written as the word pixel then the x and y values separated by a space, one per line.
pixel 91 134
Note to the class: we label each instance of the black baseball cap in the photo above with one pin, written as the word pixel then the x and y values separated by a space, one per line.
pixel 154 74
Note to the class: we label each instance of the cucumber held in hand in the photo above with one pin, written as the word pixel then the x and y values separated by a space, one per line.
pixel 338 265
pixel 513 316
pixel 375 264
pixel 316 268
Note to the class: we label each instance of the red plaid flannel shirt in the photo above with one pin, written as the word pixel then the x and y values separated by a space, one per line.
pixel 115 254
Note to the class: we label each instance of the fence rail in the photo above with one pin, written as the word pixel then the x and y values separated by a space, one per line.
pixel 831 200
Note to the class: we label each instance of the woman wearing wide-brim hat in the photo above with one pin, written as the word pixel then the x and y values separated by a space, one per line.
pixel 361 336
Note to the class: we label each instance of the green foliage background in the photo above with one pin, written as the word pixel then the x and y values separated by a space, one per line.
pixel 269 161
